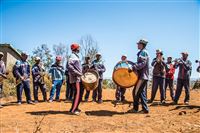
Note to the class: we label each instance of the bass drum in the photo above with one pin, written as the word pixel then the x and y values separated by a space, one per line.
pixel 122 77
pixel 90 80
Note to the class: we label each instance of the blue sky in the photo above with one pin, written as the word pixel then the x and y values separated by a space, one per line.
pixel 172 26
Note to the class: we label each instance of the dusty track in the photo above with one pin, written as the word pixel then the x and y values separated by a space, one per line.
pixel 54 117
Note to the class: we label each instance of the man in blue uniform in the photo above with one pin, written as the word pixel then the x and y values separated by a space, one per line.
pixel 57 73
pixel 159 73
pixel 119 94
pixel 38 80
pixel 142 67
pixel 100 68
pixel 22 74
pixel 85 67
pixel 2 75
pixel 185 69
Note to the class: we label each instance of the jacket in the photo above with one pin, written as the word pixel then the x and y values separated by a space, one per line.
pixel 142 64
pixel 74 68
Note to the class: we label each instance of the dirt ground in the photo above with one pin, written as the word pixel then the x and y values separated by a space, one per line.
pixel 55 118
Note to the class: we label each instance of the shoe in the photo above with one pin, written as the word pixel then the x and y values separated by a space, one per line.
pixel 174 103
pixel 36 101
pixel 86 100
pixel 45 100
pixel 30 102
pixel 50 100
pixel 144 111
pixel 133 111
pixel 79 110
pixel 58 100
pixel 186 103
pixel 19 103
pixel 163 102
pixel 150 101
pixel 94 100
pixel 100 101
pixel 76 112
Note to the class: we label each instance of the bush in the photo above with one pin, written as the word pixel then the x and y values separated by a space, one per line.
pixel 108 83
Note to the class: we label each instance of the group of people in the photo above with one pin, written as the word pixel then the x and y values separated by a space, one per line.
pixel 71 75
pixel 163 76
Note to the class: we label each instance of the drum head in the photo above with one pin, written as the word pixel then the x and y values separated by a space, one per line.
pixel 124 78
pixel 90 80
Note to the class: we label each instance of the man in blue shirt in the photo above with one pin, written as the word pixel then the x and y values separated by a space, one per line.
pixel 142 68
pixel 2 75
pixel 185 69
pixel 100 68
pixel 57 74
pixel 22 74
pixel 38 79
pixel 119 94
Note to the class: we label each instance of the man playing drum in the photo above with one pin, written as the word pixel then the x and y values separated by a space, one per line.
pixel 119 94
pixel 85 67
pixel 142 67
pixel 100 68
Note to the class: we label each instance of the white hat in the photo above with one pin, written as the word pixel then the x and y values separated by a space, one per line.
pixel 37 58
pixel 124 55
pixel 98 53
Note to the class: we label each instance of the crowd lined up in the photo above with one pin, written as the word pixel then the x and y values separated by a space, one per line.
pixel 163 77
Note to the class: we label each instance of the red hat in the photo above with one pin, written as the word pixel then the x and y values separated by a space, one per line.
pixel 74 46
pixel 58 58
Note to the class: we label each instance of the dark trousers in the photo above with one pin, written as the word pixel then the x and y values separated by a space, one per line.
pixel 139 93
pixel 69 91
pixel 77 96
pixel 81 91
pixel 119 94
pixel 180 84
pixel 1 90
pixel 98 91
pixel 170 83
pixel 87 94
pixel 158 82
pixel 26 86
pixel 43 89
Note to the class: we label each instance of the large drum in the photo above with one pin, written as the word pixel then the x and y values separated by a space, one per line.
pixel 122 77
pixel 90 80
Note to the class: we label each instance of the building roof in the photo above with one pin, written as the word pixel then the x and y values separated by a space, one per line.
pixel 18 52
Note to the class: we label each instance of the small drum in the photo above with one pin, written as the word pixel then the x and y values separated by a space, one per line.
pixel 122 77
pixel 90 80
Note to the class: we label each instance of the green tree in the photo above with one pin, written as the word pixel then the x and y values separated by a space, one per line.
pixel 44 53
